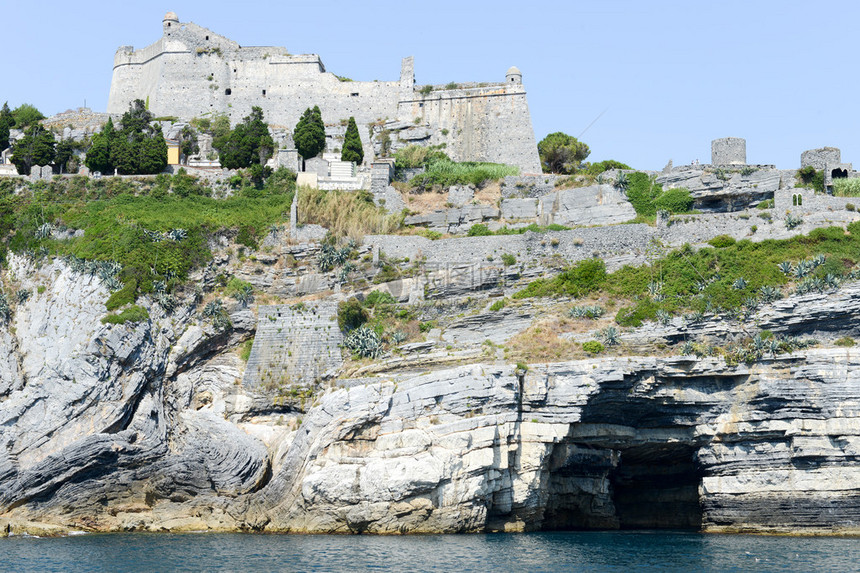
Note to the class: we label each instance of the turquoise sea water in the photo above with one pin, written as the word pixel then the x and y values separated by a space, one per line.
pixel 569 551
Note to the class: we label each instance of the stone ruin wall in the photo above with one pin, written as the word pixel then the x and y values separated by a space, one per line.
pixel 484 123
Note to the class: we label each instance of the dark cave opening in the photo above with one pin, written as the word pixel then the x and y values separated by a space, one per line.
pixel 657 487
pixel 650 486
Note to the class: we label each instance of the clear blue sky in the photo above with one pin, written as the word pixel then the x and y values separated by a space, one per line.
pixel 671 75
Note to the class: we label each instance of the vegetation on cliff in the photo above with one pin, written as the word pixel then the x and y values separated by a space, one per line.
pixel 732 277
pixel 138 147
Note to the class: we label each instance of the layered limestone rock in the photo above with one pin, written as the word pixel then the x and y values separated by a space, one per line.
pixel 147 426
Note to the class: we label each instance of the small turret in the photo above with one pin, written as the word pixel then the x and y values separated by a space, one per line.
pixel 170 20
pixel 514 76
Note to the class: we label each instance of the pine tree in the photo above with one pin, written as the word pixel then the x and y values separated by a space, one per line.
pixel 352 148
pixel 309 135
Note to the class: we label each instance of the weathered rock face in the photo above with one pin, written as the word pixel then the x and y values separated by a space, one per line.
pixel 147 426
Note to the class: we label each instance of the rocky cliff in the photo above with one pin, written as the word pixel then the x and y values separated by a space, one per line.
pixel 148 426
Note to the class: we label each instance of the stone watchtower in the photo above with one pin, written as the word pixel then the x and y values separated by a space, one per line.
pixel 514 76
pixel 170 21
pixel 729 151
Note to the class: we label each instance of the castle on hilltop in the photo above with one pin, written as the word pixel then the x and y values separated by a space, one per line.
pixel 193 72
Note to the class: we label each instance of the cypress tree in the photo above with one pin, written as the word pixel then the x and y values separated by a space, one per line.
pixel 309 135
pixel 6 122
pixel 352 149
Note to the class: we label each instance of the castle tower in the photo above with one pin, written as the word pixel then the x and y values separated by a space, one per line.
pixel 729 151
pixel 514 76
pixel 170 21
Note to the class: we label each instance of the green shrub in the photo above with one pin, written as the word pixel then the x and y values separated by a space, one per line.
pixel 845 341
pixel 636 315
pixel 444 173
pixel 245 351
pixel 595 169
pixel 508 259
pixel 126 295
pixel 498 305
pixel 674 200
pixel 766 204
pixel 809 177
pixel 642 190
pixel 479 230
pixel 592 347
pixel 351 314
pixel 850 207
pixel 582 278
pixel 134 313
pixel 378 298
pixel 722 241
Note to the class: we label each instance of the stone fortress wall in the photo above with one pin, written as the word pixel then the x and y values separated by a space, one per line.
pixel 191 71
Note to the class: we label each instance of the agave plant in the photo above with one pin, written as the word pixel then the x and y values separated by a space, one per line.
pixel 818 260
pixel 773 346
pixel 398 336
pixel 694 317
pixel 213 309
pixel 364 342
pixel 592 311
pixel 791 221
pixel 197 294
pixel 347 268
pixel 154 236
pixel 687 348
pixel 610 336
pixel 739 284
pixel 750 304
pixel 166 301
pixel 112 283
pixel 832 281
pixel 622 182
pixel 759 343
pixel 159 286
pixel 22 295
pixel 803 268
pixel 222 321
pixel 655 288
pixel 786 267
pixel 5 311
pixel 663 317
pixel 44 231
pixel 244 295
pixel 769 294
pixel 176 234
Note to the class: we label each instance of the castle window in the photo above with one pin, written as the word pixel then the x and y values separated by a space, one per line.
pixel 207 37
pixel 228 91
pixel 264 92
pixel 354 94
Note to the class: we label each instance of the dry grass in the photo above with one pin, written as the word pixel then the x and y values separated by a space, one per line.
pixel 541 343
pixel 345 213
pixel 489 195
pixel 423 203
